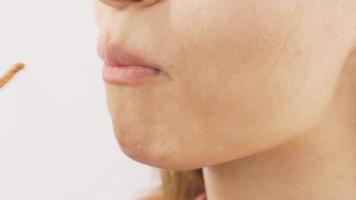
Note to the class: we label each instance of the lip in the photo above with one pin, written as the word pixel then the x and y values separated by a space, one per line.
pixel 123 66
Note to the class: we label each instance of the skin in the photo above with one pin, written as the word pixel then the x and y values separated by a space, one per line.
pixel 260 94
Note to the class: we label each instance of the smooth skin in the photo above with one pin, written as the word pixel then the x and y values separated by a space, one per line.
pixel 261 95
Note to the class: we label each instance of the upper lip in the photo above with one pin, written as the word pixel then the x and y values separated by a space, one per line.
pixel 116 55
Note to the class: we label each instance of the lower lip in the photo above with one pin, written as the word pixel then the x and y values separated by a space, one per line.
pixel 130 75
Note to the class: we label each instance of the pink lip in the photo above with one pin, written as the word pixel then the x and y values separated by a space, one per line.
pixel 122 66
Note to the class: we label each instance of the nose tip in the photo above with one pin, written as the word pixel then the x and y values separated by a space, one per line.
pixel 120 4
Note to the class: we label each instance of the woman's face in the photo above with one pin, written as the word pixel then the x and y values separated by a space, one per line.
pixel 246 75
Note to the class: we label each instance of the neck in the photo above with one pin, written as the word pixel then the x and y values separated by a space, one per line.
pixel 320 164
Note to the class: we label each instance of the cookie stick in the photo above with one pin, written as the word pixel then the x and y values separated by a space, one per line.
pixel 10 74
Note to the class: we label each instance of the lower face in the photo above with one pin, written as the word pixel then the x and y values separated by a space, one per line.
pixel 245 76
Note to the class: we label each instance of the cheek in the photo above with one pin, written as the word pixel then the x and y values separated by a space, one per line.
pixel 230 29
pixel 228 52
pixel 230 40
pixel 242 72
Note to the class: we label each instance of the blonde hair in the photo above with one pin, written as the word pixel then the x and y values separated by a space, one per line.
pixel 179 185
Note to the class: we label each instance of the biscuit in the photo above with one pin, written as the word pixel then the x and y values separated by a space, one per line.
pixel 6 78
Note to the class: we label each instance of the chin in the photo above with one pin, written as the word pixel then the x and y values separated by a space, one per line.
pixel 154 153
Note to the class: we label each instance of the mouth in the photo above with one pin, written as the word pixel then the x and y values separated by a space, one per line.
pixel 127 67
pixel 131 75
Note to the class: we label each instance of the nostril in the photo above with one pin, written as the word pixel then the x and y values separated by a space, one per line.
pixel 146 2
pixel 117 4
pixel 149 2
pixel 120 4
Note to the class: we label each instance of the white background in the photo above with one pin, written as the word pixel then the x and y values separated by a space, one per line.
pixel 56 138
